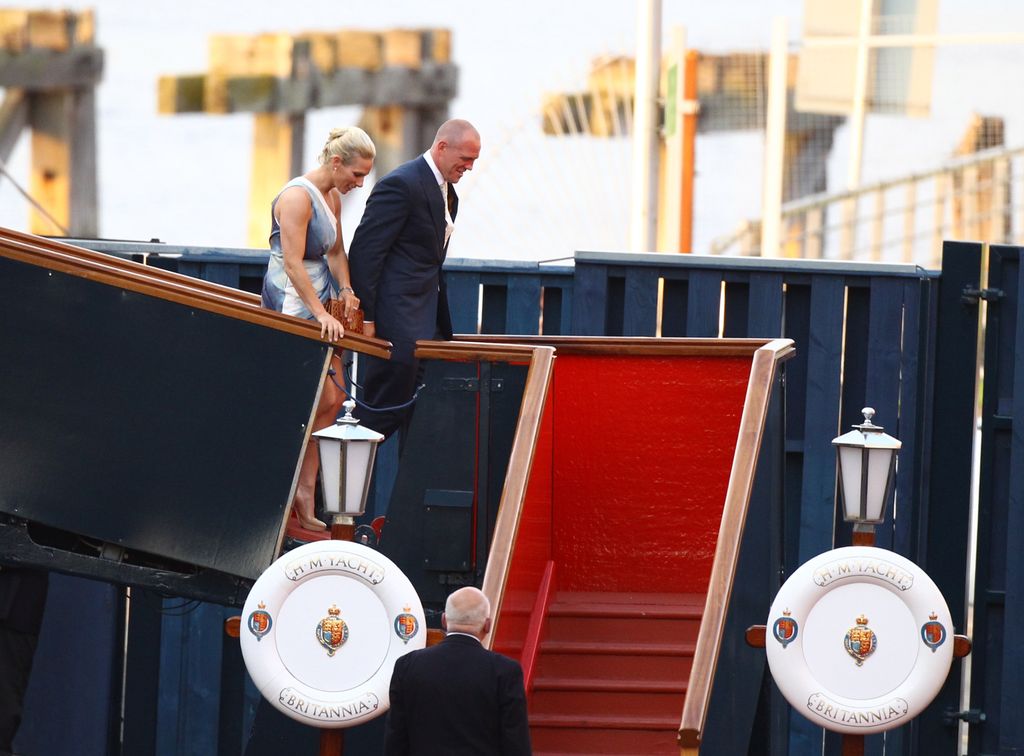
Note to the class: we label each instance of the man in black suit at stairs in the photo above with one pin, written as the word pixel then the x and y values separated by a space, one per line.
pixel 457 698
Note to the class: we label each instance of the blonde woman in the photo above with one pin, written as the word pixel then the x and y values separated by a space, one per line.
pixel 307 260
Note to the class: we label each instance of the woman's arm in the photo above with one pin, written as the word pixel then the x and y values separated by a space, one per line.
pixel 337 260
pixel 294 211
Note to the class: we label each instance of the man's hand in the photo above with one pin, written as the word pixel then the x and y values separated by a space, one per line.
pixel 369 329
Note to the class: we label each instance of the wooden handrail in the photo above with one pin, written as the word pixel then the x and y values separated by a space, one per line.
pixel 730 535
pixel 513 493
pixel 175 287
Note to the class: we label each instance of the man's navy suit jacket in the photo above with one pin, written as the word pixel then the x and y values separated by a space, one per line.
pixel 456 699
pixel 396 257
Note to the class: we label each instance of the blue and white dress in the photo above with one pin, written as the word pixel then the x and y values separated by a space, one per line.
pixel 321 234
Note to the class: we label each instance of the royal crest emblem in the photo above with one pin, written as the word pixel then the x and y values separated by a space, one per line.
pixel 406 625
pixel 259 621
pixel 785 629
pixel 933 633
pixel 860 641
pixel 331 631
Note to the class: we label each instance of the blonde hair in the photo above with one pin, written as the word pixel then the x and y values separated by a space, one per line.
pixel 348 142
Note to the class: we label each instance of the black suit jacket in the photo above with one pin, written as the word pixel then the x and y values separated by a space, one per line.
pixel 396 257
pixel 457 699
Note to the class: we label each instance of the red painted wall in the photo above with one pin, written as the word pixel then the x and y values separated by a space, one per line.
pixel 643 447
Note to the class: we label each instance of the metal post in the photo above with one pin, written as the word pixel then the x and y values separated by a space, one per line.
pixel 643 223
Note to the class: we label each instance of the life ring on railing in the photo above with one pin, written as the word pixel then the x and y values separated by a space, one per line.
pixel 859 640
pixel 322 628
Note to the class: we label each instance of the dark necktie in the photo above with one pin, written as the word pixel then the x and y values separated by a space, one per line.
pixel 450 196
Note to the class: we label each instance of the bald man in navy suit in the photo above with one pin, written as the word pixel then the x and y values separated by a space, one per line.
pixel 457 698
pixel 395 264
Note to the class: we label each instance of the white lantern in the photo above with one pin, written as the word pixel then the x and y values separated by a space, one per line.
pixel 347 453
pixel 867 464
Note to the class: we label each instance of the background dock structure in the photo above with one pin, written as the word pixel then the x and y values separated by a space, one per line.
pixel 49 69
pixel 404 78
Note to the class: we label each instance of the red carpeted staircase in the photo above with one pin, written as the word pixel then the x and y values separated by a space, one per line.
pixel 611 673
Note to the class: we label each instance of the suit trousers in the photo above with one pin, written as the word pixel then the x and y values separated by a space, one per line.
pixel 387 388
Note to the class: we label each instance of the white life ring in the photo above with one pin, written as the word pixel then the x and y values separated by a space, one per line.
pixel 322 628
pixel 859 640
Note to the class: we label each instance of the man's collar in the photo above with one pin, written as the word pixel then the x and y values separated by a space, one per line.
pixel 468 635
pixel 433 168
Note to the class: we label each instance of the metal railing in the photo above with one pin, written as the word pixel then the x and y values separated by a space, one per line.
pixel 977 197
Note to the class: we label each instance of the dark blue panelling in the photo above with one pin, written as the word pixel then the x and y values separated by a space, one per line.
pixel 640 315
pixel 463 300
pixel 673 308
pixel 222 273
pixel 72 702
pixel 523 314
pixel 495 307
pixel 590 293
pixel 817 502
pixel 915 421
pixel 705 295
pixel 556 311
pixel 765 305
pixel 736 315
pixel 824 359
pixel 885 341
pixel 1011 729
pixel 945 517
pixel 190 677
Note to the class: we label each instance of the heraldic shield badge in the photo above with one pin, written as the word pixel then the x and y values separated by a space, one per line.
pixel 406 625
pixel 860 641
pixel 785 628
pixel 331 631
pixel 259 621
pixel 933 633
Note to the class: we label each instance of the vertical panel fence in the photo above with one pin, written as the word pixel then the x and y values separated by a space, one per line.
pixel 866 334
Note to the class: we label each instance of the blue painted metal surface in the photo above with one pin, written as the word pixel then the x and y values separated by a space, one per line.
pixel 997 682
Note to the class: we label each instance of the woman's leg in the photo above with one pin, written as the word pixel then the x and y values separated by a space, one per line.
pixel 331 399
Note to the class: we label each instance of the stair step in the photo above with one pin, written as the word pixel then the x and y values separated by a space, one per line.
pixel 682 605
pixel 588 704
pixel 612 673
pixel 653 618
pixel 575 662
pixel 602 648
pixel 603 722
pixel 607 685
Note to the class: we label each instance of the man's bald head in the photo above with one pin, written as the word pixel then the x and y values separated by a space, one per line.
pixel 456 147
pixel 468 611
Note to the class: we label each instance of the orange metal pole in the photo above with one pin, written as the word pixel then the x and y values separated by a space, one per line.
pixel 689 144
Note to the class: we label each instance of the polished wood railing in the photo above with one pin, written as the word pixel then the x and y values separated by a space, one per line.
pixel 540 359
pixel 741 482
pixel 152 281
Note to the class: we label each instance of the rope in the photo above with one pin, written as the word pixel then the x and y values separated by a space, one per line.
pixel 350 382
pixel 42 210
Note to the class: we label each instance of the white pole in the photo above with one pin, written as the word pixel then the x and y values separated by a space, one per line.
pixel 774 140
pixel 674 143
pixel 644 215
pixel 860 95
pixel 848 235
